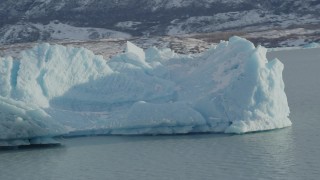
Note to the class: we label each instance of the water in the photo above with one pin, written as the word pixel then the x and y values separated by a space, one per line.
pixel 291 153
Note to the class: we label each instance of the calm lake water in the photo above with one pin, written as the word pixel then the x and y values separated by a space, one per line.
pixel 291 153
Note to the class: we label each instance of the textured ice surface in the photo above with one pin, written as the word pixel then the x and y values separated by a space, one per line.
pixel 231 88
pixel 312 45
pixel 24 124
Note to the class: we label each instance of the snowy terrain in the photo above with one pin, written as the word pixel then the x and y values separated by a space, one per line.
pixel 38 20
pixel 56 90
pixel 241 19
pixel 25 32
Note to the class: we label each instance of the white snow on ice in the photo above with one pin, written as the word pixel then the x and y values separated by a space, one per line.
pixel 53 89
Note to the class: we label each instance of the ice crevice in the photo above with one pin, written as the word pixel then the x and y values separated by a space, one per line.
pixel 56 90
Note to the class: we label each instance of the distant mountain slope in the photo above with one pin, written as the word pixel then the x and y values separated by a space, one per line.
pixel 29 32
pixel 152 17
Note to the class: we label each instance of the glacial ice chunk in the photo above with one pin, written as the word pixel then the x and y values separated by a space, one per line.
pixel 132 48
pixel 48 71
pixel 312 45
pixel 21 123
pixel 231 88
pixel 6 65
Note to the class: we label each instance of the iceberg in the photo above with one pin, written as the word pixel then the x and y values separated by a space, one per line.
pixel 312 45
pixel 56 90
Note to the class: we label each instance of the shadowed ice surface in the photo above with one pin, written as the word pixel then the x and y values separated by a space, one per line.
pixel 291 153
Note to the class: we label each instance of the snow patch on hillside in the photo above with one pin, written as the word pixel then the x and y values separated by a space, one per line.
pixel 240 19
pixel 64 31
pixel 28 32
pixel 128 25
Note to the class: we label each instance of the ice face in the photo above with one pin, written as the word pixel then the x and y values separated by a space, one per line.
pixel 135 50
pixel 231 88
pixel 22 123
pixel 6 66
pixel 48 71
pixel 312 45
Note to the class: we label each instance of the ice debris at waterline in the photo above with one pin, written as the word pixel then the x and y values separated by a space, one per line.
pixel 312 45
pixel 54 90
pixel 25 124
